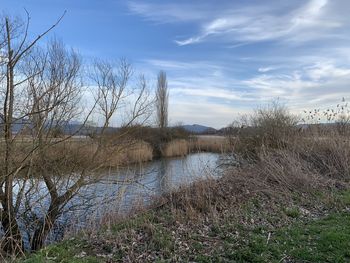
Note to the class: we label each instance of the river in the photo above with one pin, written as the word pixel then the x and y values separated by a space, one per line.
pixel 119 191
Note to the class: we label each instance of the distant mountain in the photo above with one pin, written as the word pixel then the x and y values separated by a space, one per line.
pixel 79 129
pixel 199 129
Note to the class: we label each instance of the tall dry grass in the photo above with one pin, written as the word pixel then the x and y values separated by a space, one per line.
pixel 279 174
pixel 75 154
pixel 175 148
pixel 135 153
pixel 276 162
pixel 205 143
pixel 209 143
pixel 79 152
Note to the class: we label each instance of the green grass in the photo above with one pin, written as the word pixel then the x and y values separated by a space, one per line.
pixel 292 212
pixel 322 240
pixel 64 252
pixel 345 198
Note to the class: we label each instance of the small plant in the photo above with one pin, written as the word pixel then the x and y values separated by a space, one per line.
pixel 292 212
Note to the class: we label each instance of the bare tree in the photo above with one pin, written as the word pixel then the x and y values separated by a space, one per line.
pixel 15 46
pixel 162 100
pixel 40 91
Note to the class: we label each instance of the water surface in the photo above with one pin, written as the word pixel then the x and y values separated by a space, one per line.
pixel 121 190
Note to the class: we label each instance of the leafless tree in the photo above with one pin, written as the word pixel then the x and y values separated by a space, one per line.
pixel 15 47
pixel 40 91
pixel 113 93
pixel 162 100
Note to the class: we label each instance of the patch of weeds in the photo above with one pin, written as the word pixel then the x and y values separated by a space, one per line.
pixel 198 246
pixel 292 212
pixel 135 222
pixel 162 239
pixel 215 230
pixel 64 252
pixel 256 202
pixel 203 259
pixel 345 197
pixel 251 249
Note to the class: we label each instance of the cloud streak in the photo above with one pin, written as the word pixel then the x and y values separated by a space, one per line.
pixel 237 55
pixel 304 23
pixel 167 13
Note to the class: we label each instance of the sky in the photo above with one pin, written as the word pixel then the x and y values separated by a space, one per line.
pixel 222 58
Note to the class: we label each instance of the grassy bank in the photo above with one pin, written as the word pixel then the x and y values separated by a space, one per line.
pixel 290 205
pixel 322 240
pixel 161 236
pixel 284 198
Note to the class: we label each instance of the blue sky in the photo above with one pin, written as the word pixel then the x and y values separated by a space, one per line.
pixel 222 58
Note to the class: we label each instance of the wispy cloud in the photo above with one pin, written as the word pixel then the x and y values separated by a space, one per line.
pixel 296 51
pixel 303 23
pixel 265 69
pixel 181 65
pixel 210 93
pixel 304 87
pixel 297 22
pixel 168 12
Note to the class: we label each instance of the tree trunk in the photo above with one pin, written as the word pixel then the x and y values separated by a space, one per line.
pixel 44 228
pixel 13 243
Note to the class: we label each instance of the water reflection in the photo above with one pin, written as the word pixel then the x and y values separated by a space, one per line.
pixel 121 190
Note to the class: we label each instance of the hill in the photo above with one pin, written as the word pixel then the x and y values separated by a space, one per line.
pixel 199 129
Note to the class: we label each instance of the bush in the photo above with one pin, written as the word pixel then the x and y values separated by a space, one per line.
pixel 268 127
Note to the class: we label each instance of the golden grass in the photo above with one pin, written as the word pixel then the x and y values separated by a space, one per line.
pixel 175 148
pixel 137 152
pixel 75 154
pixel 209 143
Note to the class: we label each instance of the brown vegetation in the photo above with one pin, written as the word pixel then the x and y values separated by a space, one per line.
pixel 175 148
pixel 299 181
pixel 209 143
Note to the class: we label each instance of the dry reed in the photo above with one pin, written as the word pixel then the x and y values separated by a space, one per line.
pixel 209 143
pixel 175 148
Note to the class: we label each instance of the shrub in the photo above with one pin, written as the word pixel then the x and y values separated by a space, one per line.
pixel 268 127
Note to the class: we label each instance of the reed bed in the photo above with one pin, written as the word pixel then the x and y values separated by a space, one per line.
pixel 209 143
pixel 175 148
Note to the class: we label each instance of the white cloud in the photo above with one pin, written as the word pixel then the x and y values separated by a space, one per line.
pixel 302 73
pixel 167 13
pixel 265 69
pixel 181 65
pixel 191 40
pixel 200 91
pixel 310 86
pixel 326 70
pixel 307 22
pixel 211 93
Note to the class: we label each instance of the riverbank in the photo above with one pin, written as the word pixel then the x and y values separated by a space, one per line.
pixel 291 205
pixel 79 153
pixel 151 238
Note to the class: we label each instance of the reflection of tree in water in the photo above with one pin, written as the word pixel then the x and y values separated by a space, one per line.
pixel 121 191
pixel 163 176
